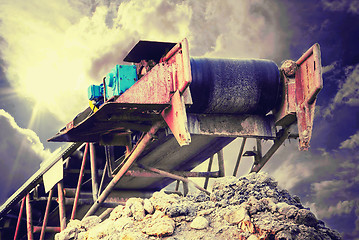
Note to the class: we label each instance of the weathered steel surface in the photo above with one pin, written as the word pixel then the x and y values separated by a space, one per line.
pixel 176 119
pixel 309 82
pixel 232 125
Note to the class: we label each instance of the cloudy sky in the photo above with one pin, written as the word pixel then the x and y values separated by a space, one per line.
pixel 50 51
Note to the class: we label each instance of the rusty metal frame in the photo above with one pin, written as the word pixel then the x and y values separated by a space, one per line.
pixel 171 98
pixel 29 226
pixel 235 170
pixel 44 227
pixel 79 182
pixel 19 218
pixel 136 151
pixel 257 166
pixel 210 162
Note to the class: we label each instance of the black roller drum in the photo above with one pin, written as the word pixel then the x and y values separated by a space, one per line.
pixel 234 86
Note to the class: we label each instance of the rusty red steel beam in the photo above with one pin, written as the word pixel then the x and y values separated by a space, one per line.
pixel 29 218
pixel 129 160
pixel 173 176
pixel 46 216
pixel 79 182
pixel 19 218
pixel 61 201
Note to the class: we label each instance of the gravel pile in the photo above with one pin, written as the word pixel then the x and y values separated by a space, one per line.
pixel 251 207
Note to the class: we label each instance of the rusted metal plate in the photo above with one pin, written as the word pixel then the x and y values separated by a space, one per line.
pixel 175 115
pixel 232 125
pixel 286 112
pixel 176 119
pixel 153 88
pixel 309 82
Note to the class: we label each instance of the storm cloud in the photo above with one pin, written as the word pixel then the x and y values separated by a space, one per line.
pixel 21 154
pixel 62 47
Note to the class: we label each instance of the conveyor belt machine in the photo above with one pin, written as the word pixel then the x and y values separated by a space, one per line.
pixel 152 121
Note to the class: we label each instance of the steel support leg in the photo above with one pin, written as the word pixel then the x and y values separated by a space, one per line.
pixel 105 213
pixel 61 200
pixel 138 149
pixel 185 187
pixel 93 172
pixel 277 143
pixel 221 163
pixel 208 170
pixel 79 182
pixel 46 216
pixel 19 218
pixel 103 177
pixel 29 218
pixel 177 185
pixel 235 171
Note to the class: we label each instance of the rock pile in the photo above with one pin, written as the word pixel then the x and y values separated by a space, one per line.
pixel 251 207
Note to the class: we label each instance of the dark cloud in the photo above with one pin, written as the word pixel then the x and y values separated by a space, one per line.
pixel 21 155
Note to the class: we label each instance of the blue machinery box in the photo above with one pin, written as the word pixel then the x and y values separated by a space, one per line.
pixel 121 78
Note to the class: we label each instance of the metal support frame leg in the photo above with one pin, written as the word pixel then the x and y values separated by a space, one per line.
pixel 177 185
pixel 103 177
pixel 185 187
pixel 79 182
pixel 46 216
pixel 221 163
pixel 235 171
pixel 277 143
pixel 208 170
pixel 258 156
pixel 19 218
pixel 93 172
pixel 29 218
pixel 61 201
pixel 135 153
